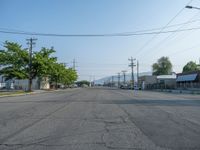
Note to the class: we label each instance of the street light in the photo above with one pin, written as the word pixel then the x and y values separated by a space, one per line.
pixel 191 7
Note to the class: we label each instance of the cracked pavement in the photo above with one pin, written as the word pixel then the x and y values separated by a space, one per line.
pixel 100 119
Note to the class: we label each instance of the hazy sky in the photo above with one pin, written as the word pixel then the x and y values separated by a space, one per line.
pixel 105 56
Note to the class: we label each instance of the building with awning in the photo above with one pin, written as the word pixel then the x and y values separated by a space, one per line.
pixel 188 80
pixel 167 81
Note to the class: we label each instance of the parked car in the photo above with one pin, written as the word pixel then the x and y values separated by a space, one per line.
pixel 125 86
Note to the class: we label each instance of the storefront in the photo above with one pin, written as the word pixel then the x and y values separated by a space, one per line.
pixel 188 80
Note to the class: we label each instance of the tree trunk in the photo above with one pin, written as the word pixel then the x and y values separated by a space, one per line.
pixel 30 85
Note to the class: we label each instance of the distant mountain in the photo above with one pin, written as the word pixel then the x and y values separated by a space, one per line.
pixel 128 77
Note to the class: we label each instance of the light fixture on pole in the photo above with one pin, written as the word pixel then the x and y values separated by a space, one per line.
pixel 192 7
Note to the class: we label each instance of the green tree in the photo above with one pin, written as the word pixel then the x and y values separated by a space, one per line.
pixel 69 77
pixel 63 75
pixel 15 65
pixel 14 61
pixel 190 66
pixel 72 75
pixel 83 82
pixel 56 73
pixel 43 62
pixel 162 67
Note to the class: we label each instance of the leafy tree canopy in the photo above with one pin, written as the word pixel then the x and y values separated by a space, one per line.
pixel 14 61
pixel 162 67
pixel 80 83
pixel 190 66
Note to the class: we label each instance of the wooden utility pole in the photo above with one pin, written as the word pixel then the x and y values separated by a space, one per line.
pixel 30 43
pixel 124 74
pixel 112 84
pixel 132 65
pixel 138 73
pixel 118 80
pixel 74 64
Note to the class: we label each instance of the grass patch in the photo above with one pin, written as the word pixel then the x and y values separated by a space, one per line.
pixel 12 93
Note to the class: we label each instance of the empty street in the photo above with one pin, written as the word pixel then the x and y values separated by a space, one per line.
pixel 100 119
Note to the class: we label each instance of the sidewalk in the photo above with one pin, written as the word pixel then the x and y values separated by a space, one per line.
pixel 179 91
pixel 17 93
pixel 23 93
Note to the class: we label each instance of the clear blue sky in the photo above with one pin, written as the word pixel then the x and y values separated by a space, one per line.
pixel 104 56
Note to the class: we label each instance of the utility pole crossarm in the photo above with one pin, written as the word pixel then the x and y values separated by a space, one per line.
pixel 132 65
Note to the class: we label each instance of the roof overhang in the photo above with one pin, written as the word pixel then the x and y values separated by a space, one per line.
pixel 185 78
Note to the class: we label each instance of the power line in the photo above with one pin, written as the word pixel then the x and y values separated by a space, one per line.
pixel 155 29
pixel 149 41
pixel 180 51
pixel 173 54
pixel 177 52
pixel 155 48
pixel 94 63
pixel 86 75
pixel 15 31
pixel 99 35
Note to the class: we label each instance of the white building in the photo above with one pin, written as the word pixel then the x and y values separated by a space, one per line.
pixel 23 84
pixel 2 83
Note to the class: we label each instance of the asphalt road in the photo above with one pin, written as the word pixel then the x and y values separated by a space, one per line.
pixel 100 119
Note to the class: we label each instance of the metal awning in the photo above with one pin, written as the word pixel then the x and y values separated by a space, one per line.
pixel 189 77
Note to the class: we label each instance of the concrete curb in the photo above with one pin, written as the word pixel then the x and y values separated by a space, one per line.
pixel 179 91
pixel 21 94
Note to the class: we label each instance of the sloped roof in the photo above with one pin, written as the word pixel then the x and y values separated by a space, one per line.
pixel 189 77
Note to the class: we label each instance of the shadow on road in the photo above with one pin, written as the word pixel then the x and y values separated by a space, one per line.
pixel 154 102
pixel 145 102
